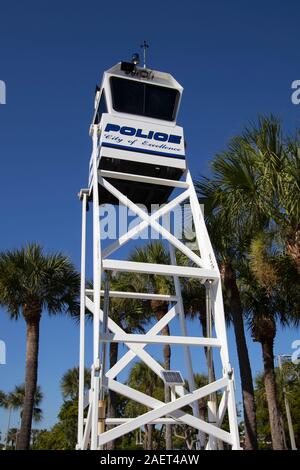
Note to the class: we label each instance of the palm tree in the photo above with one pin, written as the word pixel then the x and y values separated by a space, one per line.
pixel 15 401
pixel 69 383
pixel 255 188
pixel 10 402
pixel 17 398
pixel 12 436
pixel 155 252
pixel 7 403
pixel 2 398
pixel 143 379
pixel 270 292
pixel 289 198
pixel 34 435
pixel 258 178
pixel 30 282
pixel 229 244
pixel 277 180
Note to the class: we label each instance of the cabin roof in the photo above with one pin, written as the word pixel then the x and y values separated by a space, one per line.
pixel 159 78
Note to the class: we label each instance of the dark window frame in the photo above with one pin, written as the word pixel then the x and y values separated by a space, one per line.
pixel 142 100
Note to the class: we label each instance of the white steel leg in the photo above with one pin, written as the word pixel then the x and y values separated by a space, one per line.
pixel 83 195
pixel 97 288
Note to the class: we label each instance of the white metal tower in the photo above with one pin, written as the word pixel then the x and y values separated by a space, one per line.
pixel 138 156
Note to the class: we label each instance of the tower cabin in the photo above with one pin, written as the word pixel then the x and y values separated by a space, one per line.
pixel 136 111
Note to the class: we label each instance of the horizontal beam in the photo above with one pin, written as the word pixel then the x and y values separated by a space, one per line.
pixel 160 339
pixel 142 179
pixel 135 295
pixel 110 421
pixel 161 269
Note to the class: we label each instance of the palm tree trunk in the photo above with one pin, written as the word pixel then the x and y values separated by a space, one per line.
pixel 167 365
pixel 31 368
pixel 293 248
pixel 169 443
pixel 8 426
pixel 233 295
pixel 202 318
pixel 148 437
pixel 160 309
pixel 112 407
pixel 277 431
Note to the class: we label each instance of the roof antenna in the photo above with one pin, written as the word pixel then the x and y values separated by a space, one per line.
pixel 145 47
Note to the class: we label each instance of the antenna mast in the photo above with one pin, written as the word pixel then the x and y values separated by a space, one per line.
pixel 144 46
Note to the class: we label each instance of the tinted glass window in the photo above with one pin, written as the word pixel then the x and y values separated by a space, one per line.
pixel 102 108
pixel 143 99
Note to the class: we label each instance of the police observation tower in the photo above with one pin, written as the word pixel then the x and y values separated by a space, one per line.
pixel 138 156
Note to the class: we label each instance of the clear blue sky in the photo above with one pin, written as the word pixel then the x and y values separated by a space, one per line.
pixel 235 59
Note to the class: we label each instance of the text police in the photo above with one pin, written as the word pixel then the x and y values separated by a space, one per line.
pixel 131 131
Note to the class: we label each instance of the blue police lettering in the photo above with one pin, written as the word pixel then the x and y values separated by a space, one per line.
pixel 127 130
pixel 174 139
pixel 131 131
pixel 112 127
pixel 161 136
pixel 139 133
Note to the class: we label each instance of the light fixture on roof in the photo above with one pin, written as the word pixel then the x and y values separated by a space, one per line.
pixel 130 67
pixel 135 59
pixel 127 67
